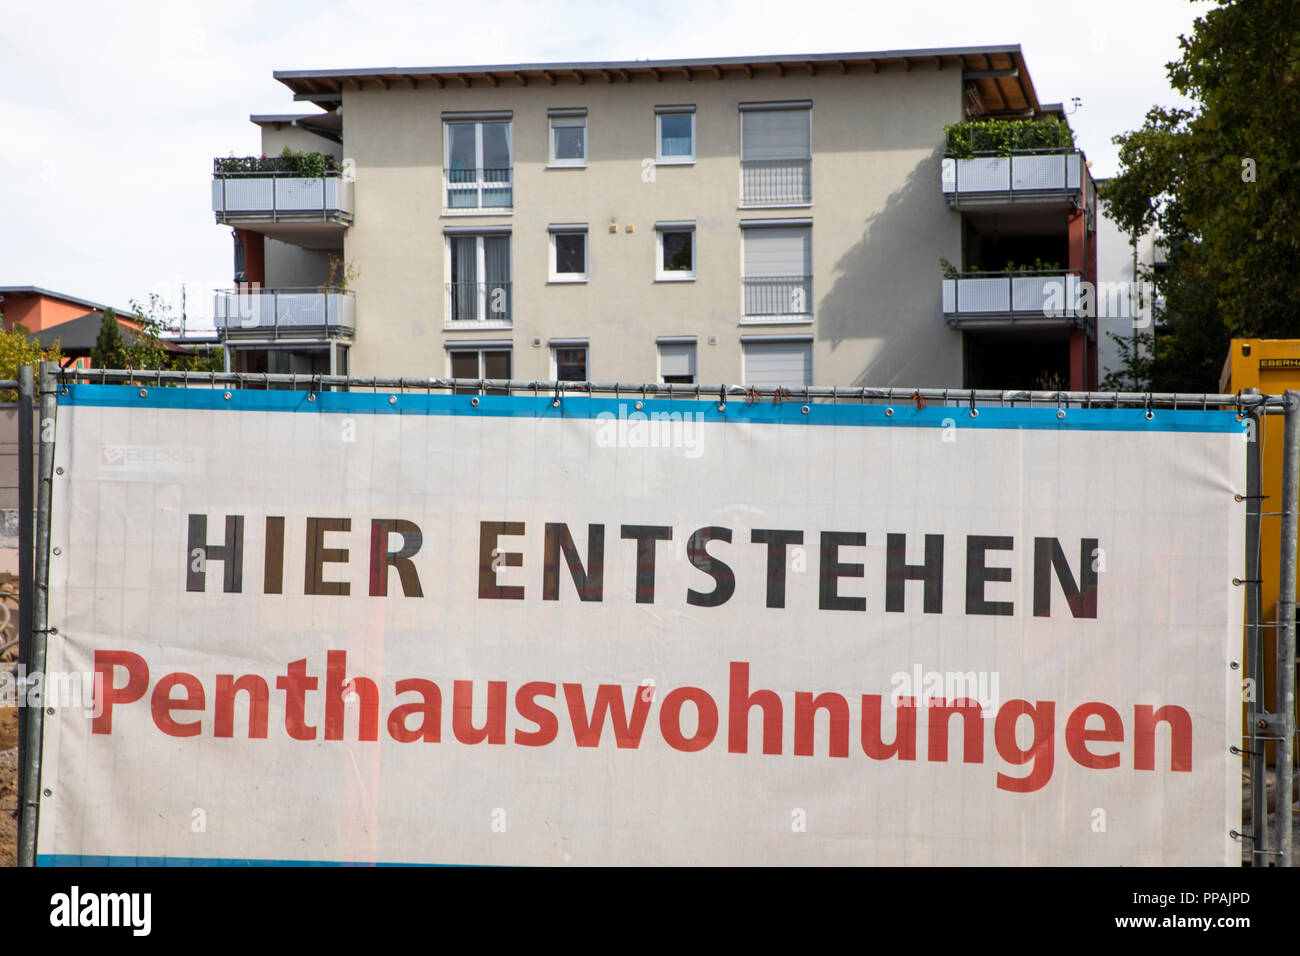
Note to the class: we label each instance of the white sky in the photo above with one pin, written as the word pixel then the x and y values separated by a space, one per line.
pixel 111 113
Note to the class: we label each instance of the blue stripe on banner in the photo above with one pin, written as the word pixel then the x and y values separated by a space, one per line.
pixel 575 406
pixel 76 859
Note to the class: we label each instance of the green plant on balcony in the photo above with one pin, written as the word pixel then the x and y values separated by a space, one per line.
pixel 950 271
pixel 307 165
pixel 341 273
pixel 1004 137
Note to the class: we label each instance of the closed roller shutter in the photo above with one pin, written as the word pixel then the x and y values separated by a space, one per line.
pixel 773 364
pixel 775 134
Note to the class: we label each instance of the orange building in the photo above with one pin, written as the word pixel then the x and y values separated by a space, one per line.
pixel 40 310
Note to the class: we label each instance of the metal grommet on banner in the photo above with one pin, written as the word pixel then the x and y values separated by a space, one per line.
pixel 639 405
pixel 227 396
pixel 64 390
pixel 889 413
pixel 311 396
pixel 805 409
pixel 59 470
pixel 1060 413
pixel 143 393
pixel 1235 665
pixel 392 399
pixel 474 401
pixel 57 551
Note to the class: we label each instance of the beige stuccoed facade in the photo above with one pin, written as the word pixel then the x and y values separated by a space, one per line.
pixel 879 226
pixel 872 230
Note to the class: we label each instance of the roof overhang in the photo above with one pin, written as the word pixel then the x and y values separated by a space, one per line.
pixel 328 125
pixel 996 80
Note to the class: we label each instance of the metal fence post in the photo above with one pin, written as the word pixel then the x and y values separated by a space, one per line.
pixel 1255 651
pixel 1285 707
pixel 40 617
pixel 26 547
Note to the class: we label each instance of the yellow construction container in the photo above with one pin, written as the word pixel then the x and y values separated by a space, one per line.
pixel 1272 366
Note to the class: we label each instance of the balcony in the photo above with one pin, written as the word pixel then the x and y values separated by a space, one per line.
pixel 1044 178
pixel 776 182
pixel 1019 299
pixel 285 313
pixel 487 189
pixel 270 195
pixel 479 305
pixel 777 298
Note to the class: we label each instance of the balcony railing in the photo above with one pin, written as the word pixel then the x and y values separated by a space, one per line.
pixel 1019 298
pixel 1031 176
pixel 278 196
pixel 777 297
pixel 478 302
pixel 285 310
pixel 775 182
pixel 480 188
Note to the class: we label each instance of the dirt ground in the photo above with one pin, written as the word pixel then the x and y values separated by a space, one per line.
pixel 9 728
pixel 8 786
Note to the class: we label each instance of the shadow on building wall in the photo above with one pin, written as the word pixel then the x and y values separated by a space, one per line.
pixel 872 306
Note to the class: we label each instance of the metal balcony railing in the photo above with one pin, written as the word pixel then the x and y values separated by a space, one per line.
pixel 775 182
pixel 283 310
pixel 1012 297
pixel 480 188
pixel 278 196
pixel 1015 177
pixel 777 296
pixel 470 302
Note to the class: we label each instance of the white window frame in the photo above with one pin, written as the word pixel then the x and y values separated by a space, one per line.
pixel 677 341
pixel 480 186
pixel 569 230
pixel 480 270
pixel 783 318
pixel 665 275
pixel 660 158
pixel 478 348
pixel 557 344
pixel 567 118
pixel 769 107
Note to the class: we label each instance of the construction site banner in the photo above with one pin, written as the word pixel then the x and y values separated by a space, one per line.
pixel 354 628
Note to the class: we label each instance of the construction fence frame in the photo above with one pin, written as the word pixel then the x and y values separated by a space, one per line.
pixel 1268 846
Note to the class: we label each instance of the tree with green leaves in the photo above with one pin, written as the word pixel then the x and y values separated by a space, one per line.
pixel 1221 183
pixel 110 349
pixel 16 350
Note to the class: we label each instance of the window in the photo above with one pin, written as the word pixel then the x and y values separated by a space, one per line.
pixel 568 253
pixel 776 153
pixel 677 361
pixel 676 251
pixel 480 363
pixel 569 360
pixel 478 162
pixel 777 283
pixel 778 363
pixel 568 137
pixel 675 134
pixel 478 265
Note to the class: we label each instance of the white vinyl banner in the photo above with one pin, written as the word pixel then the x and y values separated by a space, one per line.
pixel 361 628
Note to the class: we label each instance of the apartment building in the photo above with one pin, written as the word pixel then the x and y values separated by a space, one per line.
pixel 771 221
